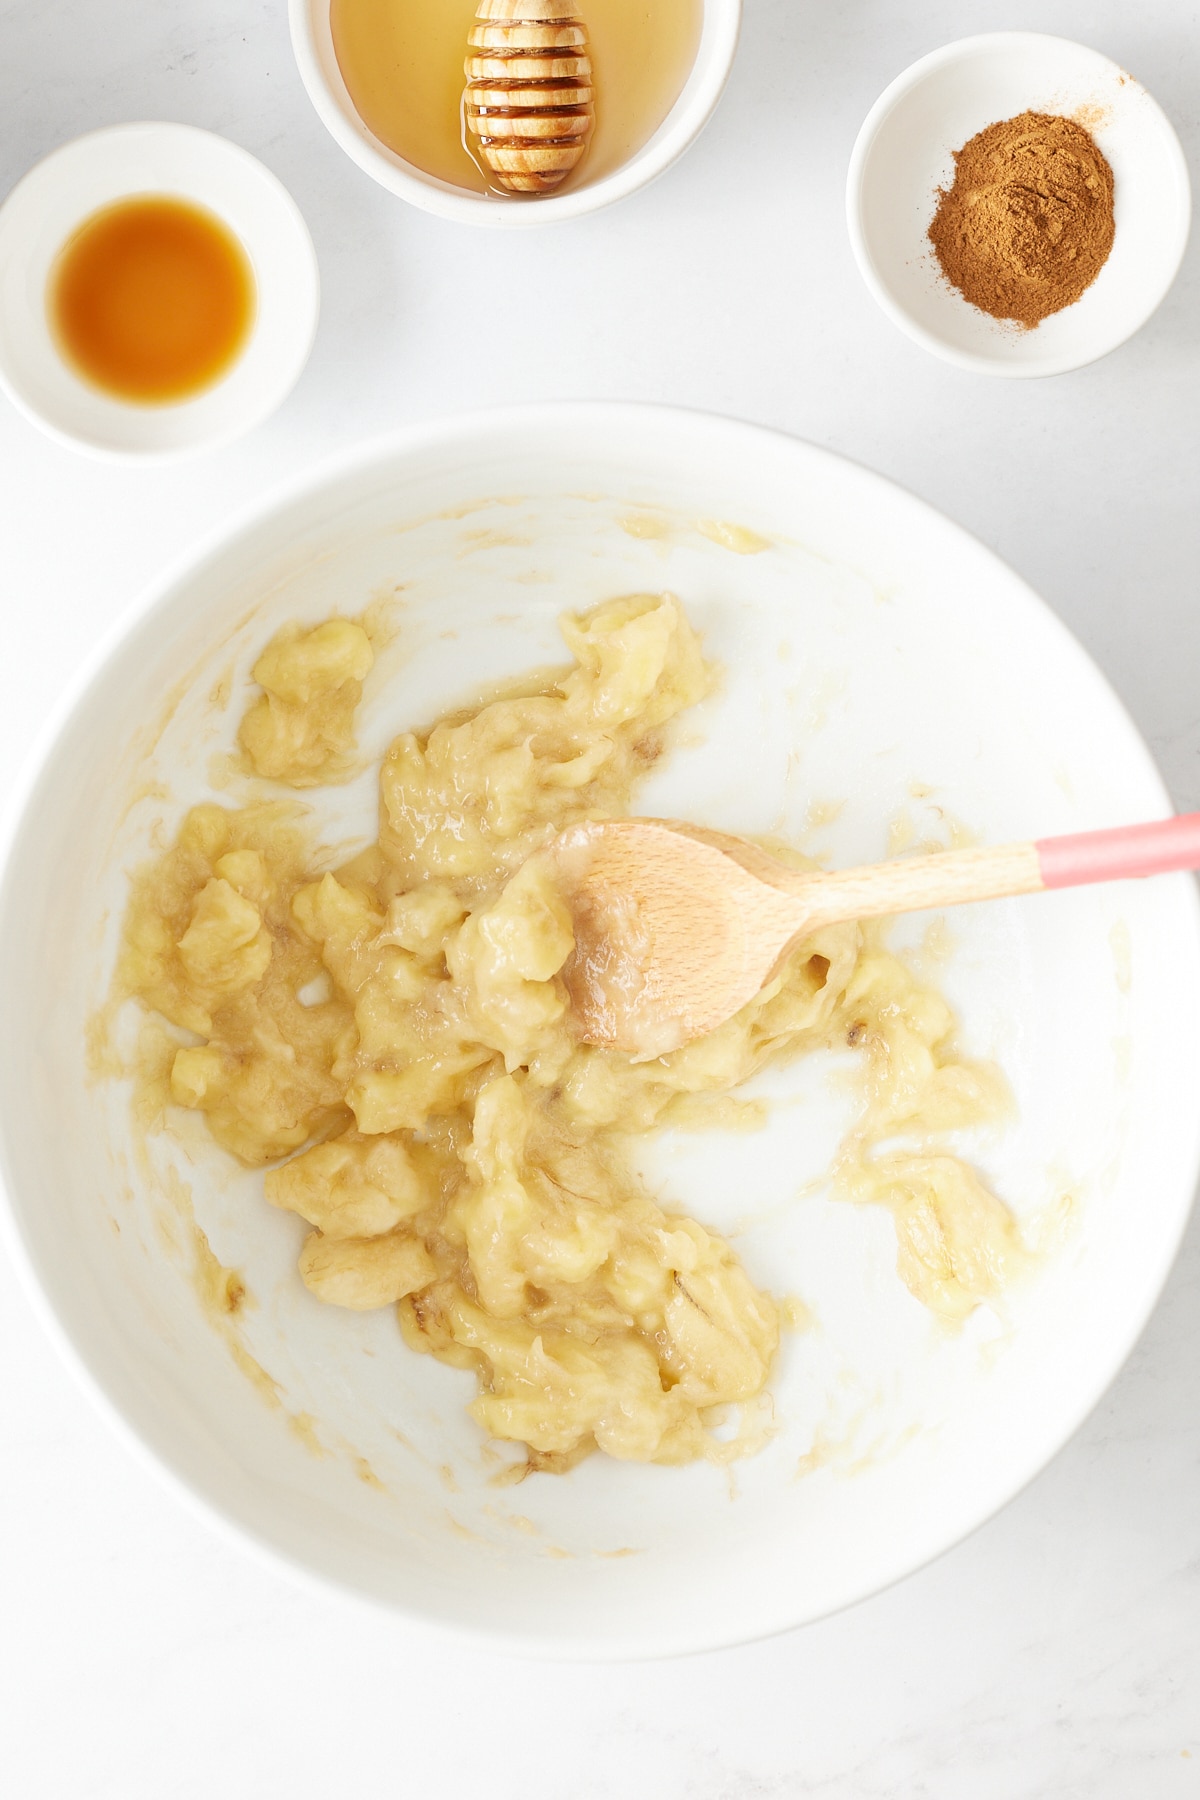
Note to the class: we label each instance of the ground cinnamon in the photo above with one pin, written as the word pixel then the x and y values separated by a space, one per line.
pixel 1028 223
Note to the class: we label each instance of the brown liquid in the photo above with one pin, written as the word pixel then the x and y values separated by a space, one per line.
pixel 402 62
pixel 151 299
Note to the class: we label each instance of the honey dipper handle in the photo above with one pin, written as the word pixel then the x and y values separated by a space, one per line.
pixel 956 877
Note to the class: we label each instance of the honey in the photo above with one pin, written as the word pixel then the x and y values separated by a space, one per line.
pixel 151 299
pixel 402 62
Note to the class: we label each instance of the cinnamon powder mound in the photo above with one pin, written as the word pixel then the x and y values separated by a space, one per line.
pixel 1028 224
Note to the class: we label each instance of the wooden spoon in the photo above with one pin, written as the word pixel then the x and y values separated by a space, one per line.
pixel 676 928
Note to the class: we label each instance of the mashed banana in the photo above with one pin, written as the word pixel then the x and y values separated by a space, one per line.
pixel 401 1024
pixel 302 729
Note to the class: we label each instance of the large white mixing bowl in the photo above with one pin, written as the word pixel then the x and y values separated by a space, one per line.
pixel 874 656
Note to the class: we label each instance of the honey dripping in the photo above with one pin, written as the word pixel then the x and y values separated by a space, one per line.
pixel 528 106
pixel 402 62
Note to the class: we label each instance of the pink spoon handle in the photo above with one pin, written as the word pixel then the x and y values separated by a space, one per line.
pixel 1130 850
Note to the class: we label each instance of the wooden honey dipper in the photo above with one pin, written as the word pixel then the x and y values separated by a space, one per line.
pixel 676 928
pixel 527 106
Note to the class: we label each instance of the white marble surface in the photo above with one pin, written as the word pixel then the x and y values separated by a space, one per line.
pixel 1058 1651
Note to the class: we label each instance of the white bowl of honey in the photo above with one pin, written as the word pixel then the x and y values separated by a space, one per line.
pixel 158 292
pixel 514 113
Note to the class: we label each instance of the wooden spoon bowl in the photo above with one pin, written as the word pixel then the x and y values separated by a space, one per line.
pixel 677 928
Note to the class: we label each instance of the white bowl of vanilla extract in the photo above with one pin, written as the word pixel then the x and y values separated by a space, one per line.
pixel 514 113
pixel 158 292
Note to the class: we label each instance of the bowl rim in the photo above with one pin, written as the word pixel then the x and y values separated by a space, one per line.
pixel 309 300
pixel 674 136
pixel 976 361
pixel 157 596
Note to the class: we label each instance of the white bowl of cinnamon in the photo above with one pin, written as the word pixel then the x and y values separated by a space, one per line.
pixel 1018 204
pixel 514 113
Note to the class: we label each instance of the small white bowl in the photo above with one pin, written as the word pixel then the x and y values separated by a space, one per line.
pixel 312 42
pixel 905 154
pixel 63 190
